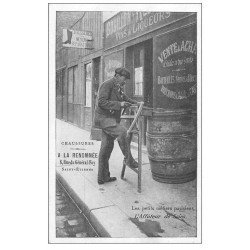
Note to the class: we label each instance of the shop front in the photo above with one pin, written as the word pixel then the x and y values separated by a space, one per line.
pixel 79 75
pixel 159 50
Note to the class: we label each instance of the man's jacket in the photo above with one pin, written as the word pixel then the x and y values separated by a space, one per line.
pixel 108 104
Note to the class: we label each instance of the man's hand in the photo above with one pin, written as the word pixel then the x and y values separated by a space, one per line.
pixel 125 104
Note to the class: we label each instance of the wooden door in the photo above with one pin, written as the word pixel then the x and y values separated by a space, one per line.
pixel 143 76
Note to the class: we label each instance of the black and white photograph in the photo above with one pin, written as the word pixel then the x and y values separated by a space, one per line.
pixel 127 124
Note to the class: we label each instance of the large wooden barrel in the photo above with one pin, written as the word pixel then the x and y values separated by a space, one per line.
pixel 171 145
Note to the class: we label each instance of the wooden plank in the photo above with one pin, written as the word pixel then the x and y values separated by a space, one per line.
pixel 127 116
pixel 136 117
pixel 140 154
pixel 146 112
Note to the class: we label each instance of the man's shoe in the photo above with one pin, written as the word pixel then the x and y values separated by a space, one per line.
pixel 109 180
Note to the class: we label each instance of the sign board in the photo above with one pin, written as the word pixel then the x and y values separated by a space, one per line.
pixel 77 39
pixel 175 59
pixel 128 25
pixel 111 62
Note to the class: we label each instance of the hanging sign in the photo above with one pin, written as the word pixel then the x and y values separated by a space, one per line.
pixel 125 26
pixel 77 39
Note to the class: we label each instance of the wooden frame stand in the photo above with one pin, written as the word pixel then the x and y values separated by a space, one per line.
pixel 137 120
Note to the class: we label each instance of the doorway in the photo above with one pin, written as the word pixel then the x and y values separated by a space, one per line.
pixel 139 61
pixel 96 81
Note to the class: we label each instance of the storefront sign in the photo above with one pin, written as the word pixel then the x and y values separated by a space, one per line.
pixel 77 39
pixel 127 25
pixel 111 62
pixel 176 70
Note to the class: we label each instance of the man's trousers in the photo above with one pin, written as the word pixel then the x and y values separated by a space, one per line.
pixel 109 134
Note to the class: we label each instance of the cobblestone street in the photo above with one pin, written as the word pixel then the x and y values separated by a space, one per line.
pixel 69 221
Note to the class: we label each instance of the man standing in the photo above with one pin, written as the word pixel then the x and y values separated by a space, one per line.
pixel 111 99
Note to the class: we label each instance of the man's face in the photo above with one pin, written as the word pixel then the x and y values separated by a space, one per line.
pixel 121 79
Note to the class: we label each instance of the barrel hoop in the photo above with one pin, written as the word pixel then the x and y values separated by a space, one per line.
pixel 172 160
pixel 170 135
pixel 174 179
pixel 174 176
pixel 174 112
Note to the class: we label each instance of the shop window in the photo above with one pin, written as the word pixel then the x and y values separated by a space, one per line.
pixel 59 83
pixel 88 83
pixel 111 62
pixel 71 83
pixel 64 83
pixel 138 72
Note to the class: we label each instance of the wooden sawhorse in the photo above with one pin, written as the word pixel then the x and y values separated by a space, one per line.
pixel 138 121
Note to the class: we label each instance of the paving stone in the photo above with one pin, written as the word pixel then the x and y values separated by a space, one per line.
pixel 73 222
pixel 81 235
pixel 61 233
pixel 60 224
pixel 69 222
pixel 60 202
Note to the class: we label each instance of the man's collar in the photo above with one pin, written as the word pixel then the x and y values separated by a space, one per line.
pixel 117 84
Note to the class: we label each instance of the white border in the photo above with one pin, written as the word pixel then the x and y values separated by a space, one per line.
pixel 52 124
pixel 52 29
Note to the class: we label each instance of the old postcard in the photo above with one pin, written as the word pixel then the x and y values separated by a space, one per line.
pixel 125 123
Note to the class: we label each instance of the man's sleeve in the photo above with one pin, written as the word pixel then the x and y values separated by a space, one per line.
pixel 104 101
pixel 127 99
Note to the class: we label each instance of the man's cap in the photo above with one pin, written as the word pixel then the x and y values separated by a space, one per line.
pixel 123 72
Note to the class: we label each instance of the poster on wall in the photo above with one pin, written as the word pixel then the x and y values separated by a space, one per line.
pixel 157 197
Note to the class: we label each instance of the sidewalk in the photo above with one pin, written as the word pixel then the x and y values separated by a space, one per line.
pixel 116 209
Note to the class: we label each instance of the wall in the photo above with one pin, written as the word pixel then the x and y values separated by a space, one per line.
pixel 77 113
pixel 93 21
